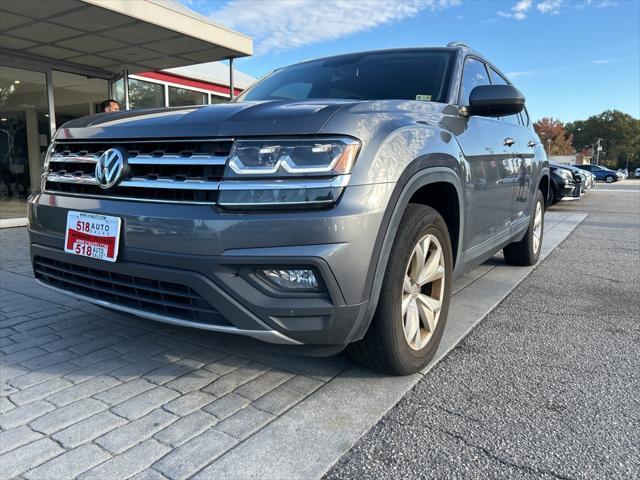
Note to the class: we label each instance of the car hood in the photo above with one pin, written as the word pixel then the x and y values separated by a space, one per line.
pixel 221 120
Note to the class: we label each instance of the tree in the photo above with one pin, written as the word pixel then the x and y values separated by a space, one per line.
pixel 556 140
pixel 619 134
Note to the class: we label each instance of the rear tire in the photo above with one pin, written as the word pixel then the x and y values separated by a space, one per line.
pixel 392 344
pixel 527 251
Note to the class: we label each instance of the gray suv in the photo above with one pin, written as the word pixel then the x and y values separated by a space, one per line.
pixel 330 206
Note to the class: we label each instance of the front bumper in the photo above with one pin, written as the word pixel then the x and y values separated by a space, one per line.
pixel 213 253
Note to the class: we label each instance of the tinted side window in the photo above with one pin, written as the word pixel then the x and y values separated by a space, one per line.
pixel 498 79
pixel 475 73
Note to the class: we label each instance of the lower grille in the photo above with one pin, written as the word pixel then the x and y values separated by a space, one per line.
pixel 152 296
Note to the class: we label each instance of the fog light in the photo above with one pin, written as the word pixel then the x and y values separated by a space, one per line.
pixel 292 279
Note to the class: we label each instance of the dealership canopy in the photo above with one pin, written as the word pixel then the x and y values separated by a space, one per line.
pixel 109 36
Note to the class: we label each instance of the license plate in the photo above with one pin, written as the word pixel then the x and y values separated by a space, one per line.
pixel 91 235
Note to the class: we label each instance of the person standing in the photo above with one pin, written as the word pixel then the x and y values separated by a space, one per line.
pixel 110 106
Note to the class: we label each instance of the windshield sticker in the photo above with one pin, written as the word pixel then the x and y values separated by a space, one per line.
pixel 424 98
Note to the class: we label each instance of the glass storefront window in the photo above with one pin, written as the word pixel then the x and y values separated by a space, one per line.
pixel 217 99
pixel 183 96
pixel 76 95
pixel 117 92
pixel 24 136
pixel 145 94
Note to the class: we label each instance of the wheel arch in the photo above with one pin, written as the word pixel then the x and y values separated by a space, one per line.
pixel 422 186
pixel 544 185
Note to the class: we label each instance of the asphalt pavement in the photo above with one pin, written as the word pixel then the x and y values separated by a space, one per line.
pixel 548 385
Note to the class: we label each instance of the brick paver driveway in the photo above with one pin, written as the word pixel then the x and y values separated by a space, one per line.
pixel 92 393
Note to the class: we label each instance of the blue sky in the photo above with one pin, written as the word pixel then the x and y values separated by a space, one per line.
pixel 571 58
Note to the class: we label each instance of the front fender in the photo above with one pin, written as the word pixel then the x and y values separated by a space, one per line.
pixel 421 173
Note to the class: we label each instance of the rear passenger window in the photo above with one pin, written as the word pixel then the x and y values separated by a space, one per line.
pixel 475 74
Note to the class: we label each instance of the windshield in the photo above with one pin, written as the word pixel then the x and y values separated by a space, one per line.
pixel 405 75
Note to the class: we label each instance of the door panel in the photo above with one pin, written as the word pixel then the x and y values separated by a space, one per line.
pixel 490 184
pixel 490 165
pixel 525 175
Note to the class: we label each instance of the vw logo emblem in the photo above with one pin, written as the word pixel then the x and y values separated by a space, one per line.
pixel 109 168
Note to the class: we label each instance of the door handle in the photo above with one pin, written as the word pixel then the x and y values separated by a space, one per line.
pixel 509 141
pixel 531 144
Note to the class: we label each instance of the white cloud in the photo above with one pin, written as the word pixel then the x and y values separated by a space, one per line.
pixel 604 61
pixel 549 6
pixel 522 6
pixel 518 11
pixel 284 25
pixel 514 75
pixel 593 3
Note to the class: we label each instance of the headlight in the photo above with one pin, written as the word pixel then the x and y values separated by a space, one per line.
pixel 292 158
pixel 566 174
pixel 287 174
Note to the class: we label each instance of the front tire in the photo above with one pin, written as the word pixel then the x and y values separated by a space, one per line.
pixel 527 251
pixel 414 301
pixel 553 197
pixel 609 179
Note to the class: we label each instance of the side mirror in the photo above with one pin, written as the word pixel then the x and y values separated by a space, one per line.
pixel 494 101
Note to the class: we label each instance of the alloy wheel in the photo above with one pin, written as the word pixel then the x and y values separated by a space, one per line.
pixel 537 227
pixel 423 291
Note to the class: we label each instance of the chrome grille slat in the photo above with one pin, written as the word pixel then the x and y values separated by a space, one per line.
pixel 57 158
pixel 177 160
pixel 171 184
pixel 84 180
pixel 140 182
pixel 183 171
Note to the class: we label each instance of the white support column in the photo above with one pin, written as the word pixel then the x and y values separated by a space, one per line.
pixel 231 89
pixel 125 76
pixel 51 103
pixel 33 147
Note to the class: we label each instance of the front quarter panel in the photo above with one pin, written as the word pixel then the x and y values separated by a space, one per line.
pixel 395 134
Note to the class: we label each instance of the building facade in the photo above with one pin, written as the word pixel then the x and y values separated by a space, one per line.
pixel 61 60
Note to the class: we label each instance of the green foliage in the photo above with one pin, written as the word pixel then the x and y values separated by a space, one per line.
pixel 619 134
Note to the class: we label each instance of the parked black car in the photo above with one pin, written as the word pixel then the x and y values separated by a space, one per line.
pixel 579 178
pixel 563 182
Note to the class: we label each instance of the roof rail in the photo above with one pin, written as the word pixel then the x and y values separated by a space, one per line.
pixel 458 44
